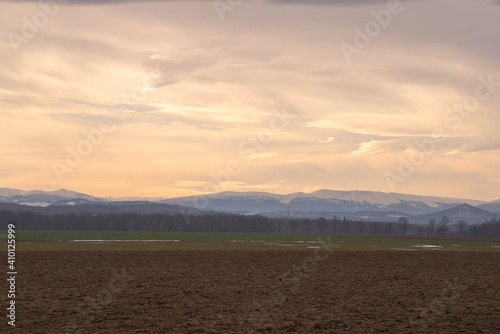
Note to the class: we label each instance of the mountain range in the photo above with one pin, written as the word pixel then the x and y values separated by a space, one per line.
pixel 328 201
pixel 41 198
pixel 359 205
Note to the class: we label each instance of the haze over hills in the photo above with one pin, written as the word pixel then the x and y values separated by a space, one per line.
pixel 465 212
pixel 355 205
pixel 324 200
pixel 41 198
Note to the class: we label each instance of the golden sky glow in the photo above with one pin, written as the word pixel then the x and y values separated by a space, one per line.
pixel 165 99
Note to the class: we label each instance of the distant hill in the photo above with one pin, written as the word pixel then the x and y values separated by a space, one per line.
pixel 103 208
pixel 466 212
pixel 373 216
pixel 41 198
pixel 491 206
pixel 355 205
pixel 321 201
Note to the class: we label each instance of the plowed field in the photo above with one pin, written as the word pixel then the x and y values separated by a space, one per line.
pixel 257 291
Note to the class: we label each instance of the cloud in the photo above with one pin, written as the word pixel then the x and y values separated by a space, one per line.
pixel 302 160
pixel 82 119
pixel 383 145
pixel 346 3
pixel 327 140
pixel 374 124
pixel 119 107
pixel 478 146
pixel 189 184
pixel 209 86
pixel 138 113
pixel 107 2
pixel 161 74
pixel 168 70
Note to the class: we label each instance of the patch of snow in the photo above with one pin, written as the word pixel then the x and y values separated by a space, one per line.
pixel 6 192
pixel 42 204
pixel 99 240
pixel 278 244
pixel 428 246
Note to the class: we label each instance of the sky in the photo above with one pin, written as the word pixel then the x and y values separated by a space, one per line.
pixel 177 98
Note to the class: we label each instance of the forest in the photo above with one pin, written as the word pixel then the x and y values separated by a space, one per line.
pixel 218 222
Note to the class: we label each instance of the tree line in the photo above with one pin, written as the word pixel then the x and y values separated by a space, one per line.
pixel 241 223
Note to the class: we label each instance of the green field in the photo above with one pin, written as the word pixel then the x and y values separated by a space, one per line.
pixel 95 240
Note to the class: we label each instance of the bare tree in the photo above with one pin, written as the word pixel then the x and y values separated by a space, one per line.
pixel 420 230
pixel 375 228
pixel 347 226
pixel 388 229
pixel 461 227
pixel 443 225
pixel 305 223
pixel 293 225
pixel 403 225
pixel 321 225
pixel 360 227
pixel 432 224
pixel 334 224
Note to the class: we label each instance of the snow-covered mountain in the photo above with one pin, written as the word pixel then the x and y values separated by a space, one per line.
pixel 366 205
pixel 465 212
pixel 41 198
pixel 322 200
pixel 493 206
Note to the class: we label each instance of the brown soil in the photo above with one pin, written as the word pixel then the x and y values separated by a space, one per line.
pixel 257 291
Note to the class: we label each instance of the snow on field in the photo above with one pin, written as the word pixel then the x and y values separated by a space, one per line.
pixel 125 240
pixel 279 244
pixel 428 246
